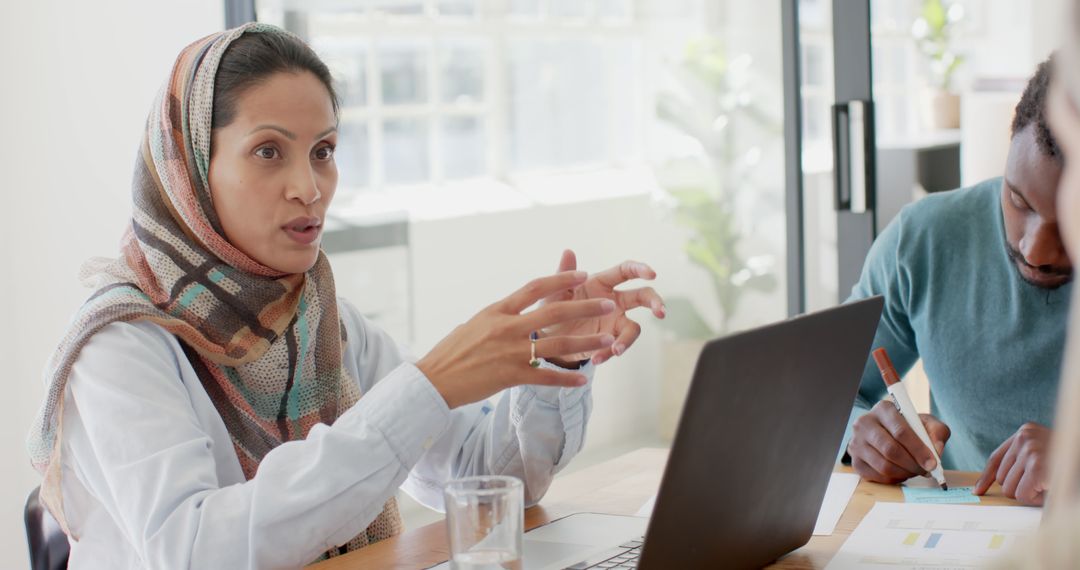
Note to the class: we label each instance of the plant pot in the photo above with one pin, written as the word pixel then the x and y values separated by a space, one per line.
pixel 941 109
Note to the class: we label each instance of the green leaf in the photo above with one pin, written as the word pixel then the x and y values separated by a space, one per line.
pixel 933 11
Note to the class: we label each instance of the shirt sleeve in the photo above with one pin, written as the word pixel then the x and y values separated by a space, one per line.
pixel 885 274
pixel 139 446
pixel 529 432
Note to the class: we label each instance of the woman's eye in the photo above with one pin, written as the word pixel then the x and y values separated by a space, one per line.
pixel 266 152
pixel 324 153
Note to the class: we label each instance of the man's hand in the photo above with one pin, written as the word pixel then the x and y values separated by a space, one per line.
pixel 1020 465
pixel 885 449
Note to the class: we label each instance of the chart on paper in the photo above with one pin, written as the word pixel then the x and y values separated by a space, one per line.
pixel 905 535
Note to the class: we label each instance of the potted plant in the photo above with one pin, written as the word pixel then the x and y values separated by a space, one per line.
pixel 711 105
pixel 933 31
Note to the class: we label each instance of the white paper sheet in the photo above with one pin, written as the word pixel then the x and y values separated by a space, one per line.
pixel 909 535
pixel 837 495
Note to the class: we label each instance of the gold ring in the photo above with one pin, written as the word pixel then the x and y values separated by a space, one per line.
pixel 533 361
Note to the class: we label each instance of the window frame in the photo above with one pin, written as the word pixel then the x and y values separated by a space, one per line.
pixel 493 26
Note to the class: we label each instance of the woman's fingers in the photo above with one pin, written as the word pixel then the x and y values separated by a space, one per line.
pixel 562 346
pixel 568 262
pixel 626 332
pixel 565 311
pixel 539 288
pixel 644 297
pixel 624 272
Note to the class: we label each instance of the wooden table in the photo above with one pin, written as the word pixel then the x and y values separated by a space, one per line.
pixel 621 486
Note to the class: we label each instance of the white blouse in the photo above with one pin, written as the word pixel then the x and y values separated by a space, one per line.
pixel 151 479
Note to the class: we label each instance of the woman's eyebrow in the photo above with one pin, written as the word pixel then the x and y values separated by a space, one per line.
pixel 289 134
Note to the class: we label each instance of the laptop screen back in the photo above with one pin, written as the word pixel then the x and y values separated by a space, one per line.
pixel 758 439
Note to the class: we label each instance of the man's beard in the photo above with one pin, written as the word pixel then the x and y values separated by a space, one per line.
pixel 1049 270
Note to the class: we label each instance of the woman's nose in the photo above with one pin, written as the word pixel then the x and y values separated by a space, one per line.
pixel 303 187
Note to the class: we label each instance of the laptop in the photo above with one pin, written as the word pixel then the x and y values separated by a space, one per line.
pixel 757 441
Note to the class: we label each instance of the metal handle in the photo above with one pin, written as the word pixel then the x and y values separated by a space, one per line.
pixel 852 155
pixel 857 148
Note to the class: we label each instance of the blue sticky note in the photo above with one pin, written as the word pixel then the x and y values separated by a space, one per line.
pixel 937 496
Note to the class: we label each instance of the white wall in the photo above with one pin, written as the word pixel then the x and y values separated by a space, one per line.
pixel 79 78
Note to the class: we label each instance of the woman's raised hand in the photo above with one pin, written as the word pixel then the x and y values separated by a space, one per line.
pixel 492 351
pixel 615 323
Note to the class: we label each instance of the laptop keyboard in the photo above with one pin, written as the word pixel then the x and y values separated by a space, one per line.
pixel 623 556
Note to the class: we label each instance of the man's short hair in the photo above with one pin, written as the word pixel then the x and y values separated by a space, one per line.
pixel 1031 110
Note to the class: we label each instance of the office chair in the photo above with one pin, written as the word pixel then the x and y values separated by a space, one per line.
pixel 48 544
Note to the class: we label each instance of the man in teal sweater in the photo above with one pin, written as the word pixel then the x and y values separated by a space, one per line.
pixel 976 283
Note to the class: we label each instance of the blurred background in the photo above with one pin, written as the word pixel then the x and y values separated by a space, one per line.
pixel 479 138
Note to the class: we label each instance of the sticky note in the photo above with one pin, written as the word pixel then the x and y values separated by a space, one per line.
pixel 996 541
pixel 937 496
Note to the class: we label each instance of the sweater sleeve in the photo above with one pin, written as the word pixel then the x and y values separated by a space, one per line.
pixel 886 274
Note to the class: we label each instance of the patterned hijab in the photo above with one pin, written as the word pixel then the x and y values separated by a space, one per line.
pixel 267 346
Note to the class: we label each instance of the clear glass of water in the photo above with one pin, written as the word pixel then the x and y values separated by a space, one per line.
pixel 485 518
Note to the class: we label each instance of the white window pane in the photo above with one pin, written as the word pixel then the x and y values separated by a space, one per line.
pixel 893 15
pixel 405 148
pixel 403 70
pixel 457 7
pixel 816 119
pixel 462 140
pixel 813 66
pixel 568 8
pixel 461 64
pixel 614 10
pixel 347 60
pixel 685 10
pixel 353 155
pixel 569 100
pixel 395 7
pixel 624 61
pixel 526 8
pixel 813 13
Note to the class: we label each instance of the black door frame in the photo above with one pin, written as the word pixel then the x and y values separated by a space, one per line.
pixel 793 177
pixel 854 147
pixel 853 159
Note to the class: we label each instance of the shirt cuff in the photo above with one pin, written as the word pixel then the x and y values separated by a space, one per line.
pixel 559 396
pixel 408 411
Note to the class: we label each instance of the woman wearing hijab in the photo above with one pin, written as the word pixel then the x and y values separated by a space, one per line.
pixel 215 405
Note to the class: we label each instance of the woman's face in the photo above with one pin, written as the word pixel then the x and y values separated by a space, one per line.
pixel 1064 119
pixel 272 171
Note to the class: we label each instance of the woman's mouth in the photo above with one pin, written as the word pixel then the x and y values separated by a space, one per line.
pixel 304 230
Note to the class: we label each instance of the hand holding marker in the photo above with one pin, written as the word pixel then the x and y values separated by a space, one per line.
pixel 907 409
